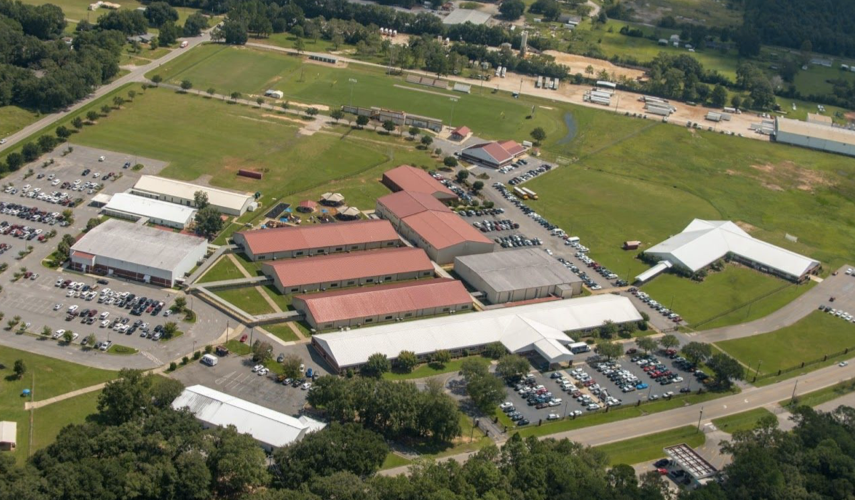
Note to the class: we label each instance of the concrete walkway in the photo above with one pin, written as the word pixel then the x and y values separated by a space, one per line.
pixel 62 397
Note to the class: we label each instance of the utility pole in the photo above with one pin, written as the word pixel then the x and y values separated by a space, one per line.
pixel 699 418
pixel 794 389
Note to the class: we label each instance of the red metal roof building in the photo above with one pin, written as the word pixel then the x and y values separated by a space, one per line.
pixel 407 178
pixel 400 205
pixel 377 304
pixel 460 133
pixel 317 239
pixel 493 154
pixel 345 270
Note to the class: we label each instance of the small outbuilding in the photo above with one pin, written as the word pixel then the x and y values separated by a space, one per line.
pixel 307 206
pixel 8 436
pixel 332 199
pixel 631 245
pixel 348 213
pixel 460 133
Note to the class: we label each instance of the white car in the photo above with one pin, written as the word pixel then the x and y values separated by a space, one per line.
pixel 105 314
pixel 306 386
pixel 73 308
pixel 57 307
pixel 57 334
pixel 105 323
pixel 843 363
pixel 553 416
pixel 74 336
pixel 256 368
pixel 263 371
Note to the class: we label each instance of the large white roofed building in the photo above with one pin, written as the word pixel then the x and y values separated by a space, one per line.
pixel 536 327
pixel 270 428
pixel 703 242
pixel 182 193
pixel 162 213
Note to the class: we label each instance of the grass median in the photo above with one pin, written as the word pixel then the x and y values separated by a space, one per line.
pixel 650 447
pixel 744 421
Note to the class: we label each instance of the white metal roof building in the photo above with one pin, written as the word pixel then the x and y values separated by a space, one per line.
pixel 162 213
pixel 536 327
pixel 703 242
pixel 270 428
pixel 137 252
pixel 516 275
pixel 182 193
pixel 8 436
pixel 815 136
pixel 462 16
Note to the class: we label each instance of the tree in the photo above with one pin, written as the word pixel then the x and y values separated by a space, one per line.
pixel 170 329
pixel 132 94
pixel 19 368
pixel 259 100
pixel 376 366
pixel 512 366
pixel 726 370
pixel 159 13
pixel 211 91
pixel 609 349
pixel 91 340
pixel 389 126
pixel 68 336
pixel 646 344
pixel 30 152
pixel 697 351
pixel 336 115
pixel 91 116
pixel 92 223
pixel 77 122
pixel 237 464
pixel 291 366
pixel 440 358
pixel 511 10
pixel 118 101
pixel 362 121
pixel 413 131
pixel 495 350
pixel 169 34
pixel 208 222
pixel 62 132
pixel 299 45
pixel 235 96
pixel 485 390
pixel 46 143
pixel 748 41
pixel 669 342
pixel 608 329
pixel 718 98
pixel 179 304
pixel 156 79
pixel 426 141
pixel 126 397
pixel 186 85
pixel 449 161
pixel 46 331
pixel 312 112
pixel 285 105
pixel 735 101
pixel 14 161
pixel 477 186
pixel 538 134
pixel 195 24
pixel 262 351
pixel 348 447
pixel 406 361
pixel 462 176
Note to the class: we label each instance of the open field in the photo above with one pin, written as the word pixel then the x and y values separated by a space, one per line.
pixel 803 108
pixel 224 269
pixel 283 331
pixel 49 420
pixel 78 10
pixel 818 397
pixel 248 299
pixel 698 11
pixel 648 448
pixel 744 421
pixel 808 340
pixel 730 289
pixel 814 81
pixel 14 118
pixel 47 377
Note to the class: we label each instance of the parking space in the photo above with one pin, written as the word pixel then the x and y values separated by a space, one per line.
pixel 662 317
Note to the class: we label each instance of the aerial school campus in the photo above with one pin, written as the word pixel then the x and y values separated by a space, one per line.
pixel 286 240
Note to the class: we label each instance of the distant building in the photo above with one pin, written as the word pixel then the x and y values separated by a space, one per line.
pixel 183 193
pixel 493 154
pixel 141 253
pixel 270 428
pixel 407 178
pixel 815 136
pixel 463 16
pixel 316 239
pixel 161 213
pixel 517 275
pixel 377 304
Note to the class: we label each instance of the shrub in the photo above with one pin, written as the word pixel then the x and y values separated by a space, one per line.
pixel 173 366
pixel 185 360
pixel 197 354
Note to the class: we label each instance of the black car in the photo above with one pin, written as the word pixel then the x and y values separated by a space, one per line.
pixel 102 281
pixel 522 421
pixel 662 463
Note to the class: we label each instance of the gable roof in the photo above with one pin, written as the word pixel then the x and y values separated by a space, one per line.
pixel 462 131
pixel 703 242
pixel 406 203
pixel 339 267
pixel 363 302
pixel 285 239
pixel 444 229
pixel 409 178
pixel 495 152
pixel 516 269
pixel 186 190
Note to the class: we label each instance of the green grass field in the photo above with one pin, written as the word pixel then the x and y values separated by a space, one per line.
pixel 807 340
pixel 814 81
pixel 224 269
pixel 248 299
pixel 49 420
pixel 818 397
pixel 744 421
pixel 14 118
pixel 283 331
pixel 426 370
pixel 392 460
pixel 649 448
pixel 78 10
pixel 720 292
pixel 47 378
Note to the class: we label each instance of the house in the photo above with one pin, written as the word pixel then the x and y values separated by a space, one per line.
pixel 460 133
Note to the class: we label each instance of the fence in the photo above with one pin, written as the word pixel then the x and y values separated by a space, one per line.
pixel 804 364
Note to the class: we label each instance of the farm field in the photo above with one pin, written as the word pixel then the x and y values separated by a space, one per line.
pixel 648 448
pixel 810 339
pixel 721 292
pixel 14 118
pixel 700 11
pixel 52 378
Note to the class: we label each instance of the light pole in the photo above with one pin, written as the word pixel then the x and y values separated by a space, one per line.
pixel 565 408
pixel 699 418
pixel 352 81
pixel 451 120
pixel 757 371
pixel 794 389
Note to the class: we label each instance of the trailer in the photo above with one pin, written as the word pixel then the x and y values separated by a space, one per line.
pixel 658 110
pixel 601 94
pixel 713 117
pixel 555 84
pixel 504 71
pixel 579 347
pixel 605 101
pixel 519 193
pixel 539 82
pixel 606 86
pixel 499 71
pixel 531 194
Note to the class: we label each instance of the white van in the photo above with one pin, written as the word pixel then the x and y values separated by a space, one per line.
pixel 209 359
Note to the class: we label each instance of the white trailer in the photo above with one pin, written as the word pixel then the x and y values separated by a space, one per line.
pixel 504 71
pixel 555 84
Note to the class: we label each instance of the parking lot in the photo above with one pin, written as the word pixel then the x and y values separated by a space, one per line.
pixel 571 392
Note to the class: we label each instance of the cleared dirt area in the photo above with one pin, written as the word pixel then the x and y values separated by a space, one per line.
pixel 578 64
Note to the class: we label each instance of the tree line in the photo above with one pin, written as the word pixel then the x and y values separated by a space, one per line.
pixel 827 24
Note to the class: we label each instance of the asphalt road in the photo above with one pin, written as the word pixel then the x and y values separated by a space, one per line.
pixel 136 75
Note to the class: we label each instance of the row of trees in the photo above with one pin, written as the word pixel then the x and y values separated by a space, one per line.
pixel 158 15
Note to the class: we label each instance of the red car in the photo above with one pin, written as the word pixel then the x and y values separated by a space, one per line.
pixel 662 472
pixel 243 338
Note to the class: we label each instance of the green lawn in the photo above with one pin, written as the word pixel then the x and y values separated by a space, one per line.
pixel 649 448
pixel 808 340
pixel 426 370
pixel 283 331
pixel 121 350
pixel 283 301
pixel 744 421
pixel 253 268
pixel 237 347
pixel 224 269
pixel 13 119
pixel 818 397
pixel 49 420
pixel 734 287
pixel 78 10
pixel 470 439
pixel 247 298
pixel 814 81
pixel 226 233
pixel 52 377
pixel 392 460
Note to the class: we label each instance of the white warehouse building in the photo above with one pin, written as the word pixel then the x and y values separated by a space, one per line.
pixel 815 136
pixel 183 193
pixel 161 213
pixel 536 328
pixel 141 253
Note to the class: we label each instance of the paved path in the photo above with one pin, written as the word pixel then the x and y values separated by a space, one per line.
pixel 842 287
pixel 38 404
pixel 136 75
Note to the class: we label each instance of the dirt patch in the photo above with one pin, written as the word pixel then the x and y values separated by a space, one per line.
pixel 285 118
pixel 748 228
pixel 764 168
pixel 578 64
pixel 850 116
pixel 731 172
pixel 787 175
pixel 772 187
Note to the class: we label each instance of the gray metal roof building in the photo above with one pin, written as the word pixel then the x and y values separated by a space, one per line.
pixel 461 16
pixel 815 136
pixel 137 252
pixel 516 275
